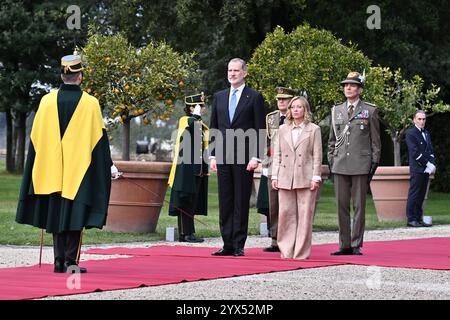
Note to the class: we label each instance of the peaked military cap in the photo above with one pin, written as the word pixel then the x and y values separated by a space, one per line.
pixel 283 92
pixel 195 99
pixel 354 77
pixel 71 64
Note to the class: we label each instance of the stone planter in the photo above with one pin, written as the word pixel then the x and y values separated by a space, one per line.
pixel 137 197
pixel 390 187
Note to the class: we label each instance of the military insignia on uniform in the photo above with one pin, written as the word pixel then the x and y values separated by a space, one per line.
pixel 339 116
pixel 364 114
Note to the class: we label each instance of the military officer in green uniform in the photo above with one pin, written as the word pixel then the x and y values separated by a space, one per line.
pixel 67 178
pixel 189 174
pixel 353 154
pixel 273 121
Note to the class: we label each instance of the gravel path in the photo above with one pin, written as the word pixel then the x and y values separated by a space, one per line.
pixel 337 282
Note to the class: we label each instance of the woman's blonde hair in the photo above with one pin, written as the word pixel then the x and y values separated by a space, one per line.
pixel 308 115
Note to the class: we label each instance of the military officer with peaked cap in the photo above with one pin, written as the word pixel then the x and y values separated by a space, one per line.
pixel 274 120
pixel 353 154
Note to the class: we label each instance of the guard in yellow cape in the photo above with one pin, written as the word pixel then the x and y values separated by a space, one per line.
pixel 189 174
pixel 67 178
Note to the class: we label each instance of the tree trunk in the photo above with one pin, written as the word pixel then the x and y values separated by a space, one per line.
pixel 20 126
pixel 397 156
pixel 10 159
pixel 126 140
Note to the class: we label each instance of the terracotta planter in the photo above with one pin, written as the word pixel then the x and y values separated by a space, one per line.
pixel 137 198
pixel 390 187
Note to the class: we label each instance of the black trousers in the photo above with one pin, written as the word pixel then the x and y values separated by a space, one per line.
pixel 418 185
pixel 66 245
pixel 186 222
pixel 235 188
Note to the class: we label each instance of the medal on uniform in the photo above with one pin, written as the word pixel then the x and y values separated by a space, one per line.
pixel 361 127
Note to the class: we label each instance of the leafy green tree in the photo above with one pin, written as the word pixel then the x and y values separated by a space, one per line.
pixel 136 82
pixel 397 99
pixel 33 38
pixel 413 34
pixel 308 59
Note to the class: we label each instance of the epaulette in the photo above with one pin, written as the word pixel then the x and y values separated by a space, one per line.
pixel 271 113
pixel 370 104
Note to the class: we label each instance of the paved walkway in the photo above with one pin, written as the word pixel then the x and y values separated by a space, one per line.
pixel 337 282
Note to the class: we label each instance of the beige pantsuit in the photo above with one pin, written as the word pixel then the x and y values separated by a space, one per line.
pixel 295 222
pixel 294 166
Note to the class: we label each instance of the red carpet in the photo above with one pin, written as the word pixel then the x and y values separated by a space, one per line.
pixel 429 253
pixel 174 264
pixel 134 272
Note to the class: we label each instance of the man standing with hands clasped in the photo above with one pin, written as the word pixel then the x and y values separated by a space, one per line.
pixel 238 115
pixel 421 165
pixel 353 154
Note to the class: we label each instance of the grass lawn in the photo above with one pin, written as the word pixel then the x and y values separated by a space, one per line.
pixel 206 226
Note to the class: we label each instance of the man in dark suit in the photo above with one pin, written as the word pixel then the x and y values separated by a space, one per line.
pixel 421 165
pixel 238 117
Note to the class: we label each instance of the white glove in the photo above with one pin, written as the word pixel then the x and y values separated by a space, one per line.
pixel 427 170
pixel 265 172
pixel 197 110
pixel 115 174
pixel 431 167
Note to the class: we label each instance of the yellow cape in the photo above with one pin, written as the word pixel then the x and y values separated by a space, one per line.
pixel 183 124
pixel 60 164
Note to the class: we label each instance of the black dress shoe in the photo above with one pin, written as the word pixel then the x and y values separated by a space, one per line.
pixel 343 252
pixel 72 267
pixel 192 238
pixel 59 265
pixel 424 224
pixel 272 249
pixel 414 224
pixel 357 252
pixel 238 252
pixel 223 252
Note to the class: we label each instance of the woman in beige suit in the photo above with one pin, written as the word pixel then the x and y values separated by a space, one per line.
pixel 296 174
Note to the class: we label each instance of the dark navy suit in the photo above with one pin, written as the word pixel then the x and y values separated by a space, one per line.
pixel 420 152
pixel 234 181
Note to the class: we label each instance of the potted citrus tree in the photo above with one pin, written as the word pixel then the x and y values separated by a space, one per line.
pixel 397 100
pixel 134 82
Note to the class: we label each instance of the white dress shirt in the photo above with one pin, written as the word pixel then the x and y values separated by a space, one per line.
pixel 238 93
